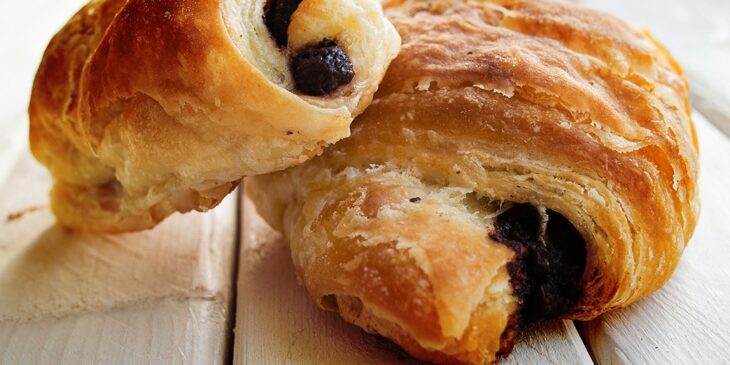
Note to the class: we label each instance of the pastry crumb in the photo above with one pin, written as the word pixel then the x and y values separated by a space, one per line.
pixel 21 213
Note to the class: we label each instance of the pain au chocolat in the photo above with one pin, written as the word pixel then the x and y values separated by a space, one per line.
pixel 142 108
pixel 522 160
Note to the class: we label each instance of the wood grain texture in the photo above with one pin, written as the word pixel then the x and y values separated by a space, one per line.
pixel 277 322
pixel 687 321
pixel 168 331
pixel 159 296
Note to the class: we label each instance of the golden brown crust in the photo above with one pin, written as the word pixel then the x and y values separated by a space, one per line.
pixel 426 272
pixel 141 108
pixel 535 102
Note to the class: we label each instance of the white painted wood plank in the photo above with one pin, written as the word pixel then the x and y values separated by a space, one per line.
pixel 13 142
pixel 554 342
pixel 277 322
pixel 153 297
pixel 169 331
pixel 687 321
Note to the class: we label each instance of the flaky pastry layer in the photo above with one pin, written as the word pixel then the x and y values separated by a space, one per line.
pixel 491 104
pixel 143 108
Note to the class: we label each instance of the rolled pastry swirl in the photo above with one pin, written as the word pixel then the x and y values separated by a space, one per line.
pixel 522 160
pixel 143 108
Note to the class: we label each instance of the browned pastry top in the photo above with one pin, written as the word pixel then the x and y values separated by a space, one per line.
pixel 555 82
pixel 493 105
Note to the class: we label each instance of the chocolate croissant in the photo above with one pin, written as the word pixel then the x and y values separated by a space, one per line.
pixel 142 108
pixel 522 160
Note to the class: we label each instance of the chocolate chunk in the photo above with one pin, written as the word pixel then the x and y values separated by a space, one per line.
pixel 415 200
pixel 320 69
pixel 549 264
pixel 277 16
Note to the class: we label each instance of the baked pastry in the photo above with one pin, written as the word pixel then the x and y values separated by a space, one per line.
pixel 522 160
pixel 143 108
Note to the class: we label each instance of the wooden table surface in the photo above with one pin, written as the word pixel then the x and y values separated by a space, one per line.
pixel 219 287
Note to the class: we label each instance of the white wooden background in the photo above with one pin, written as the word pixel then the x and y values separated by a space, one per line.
pixel 167 295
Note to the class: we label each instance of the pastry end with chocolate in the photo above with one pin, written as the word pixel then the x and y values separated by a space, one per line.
pixel 322 68
pixel 550 257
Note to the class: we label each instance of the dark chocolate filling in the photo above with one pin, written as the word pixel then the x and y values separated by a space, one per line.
pixel 320 69
pixel 277 16
pixel 547 271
